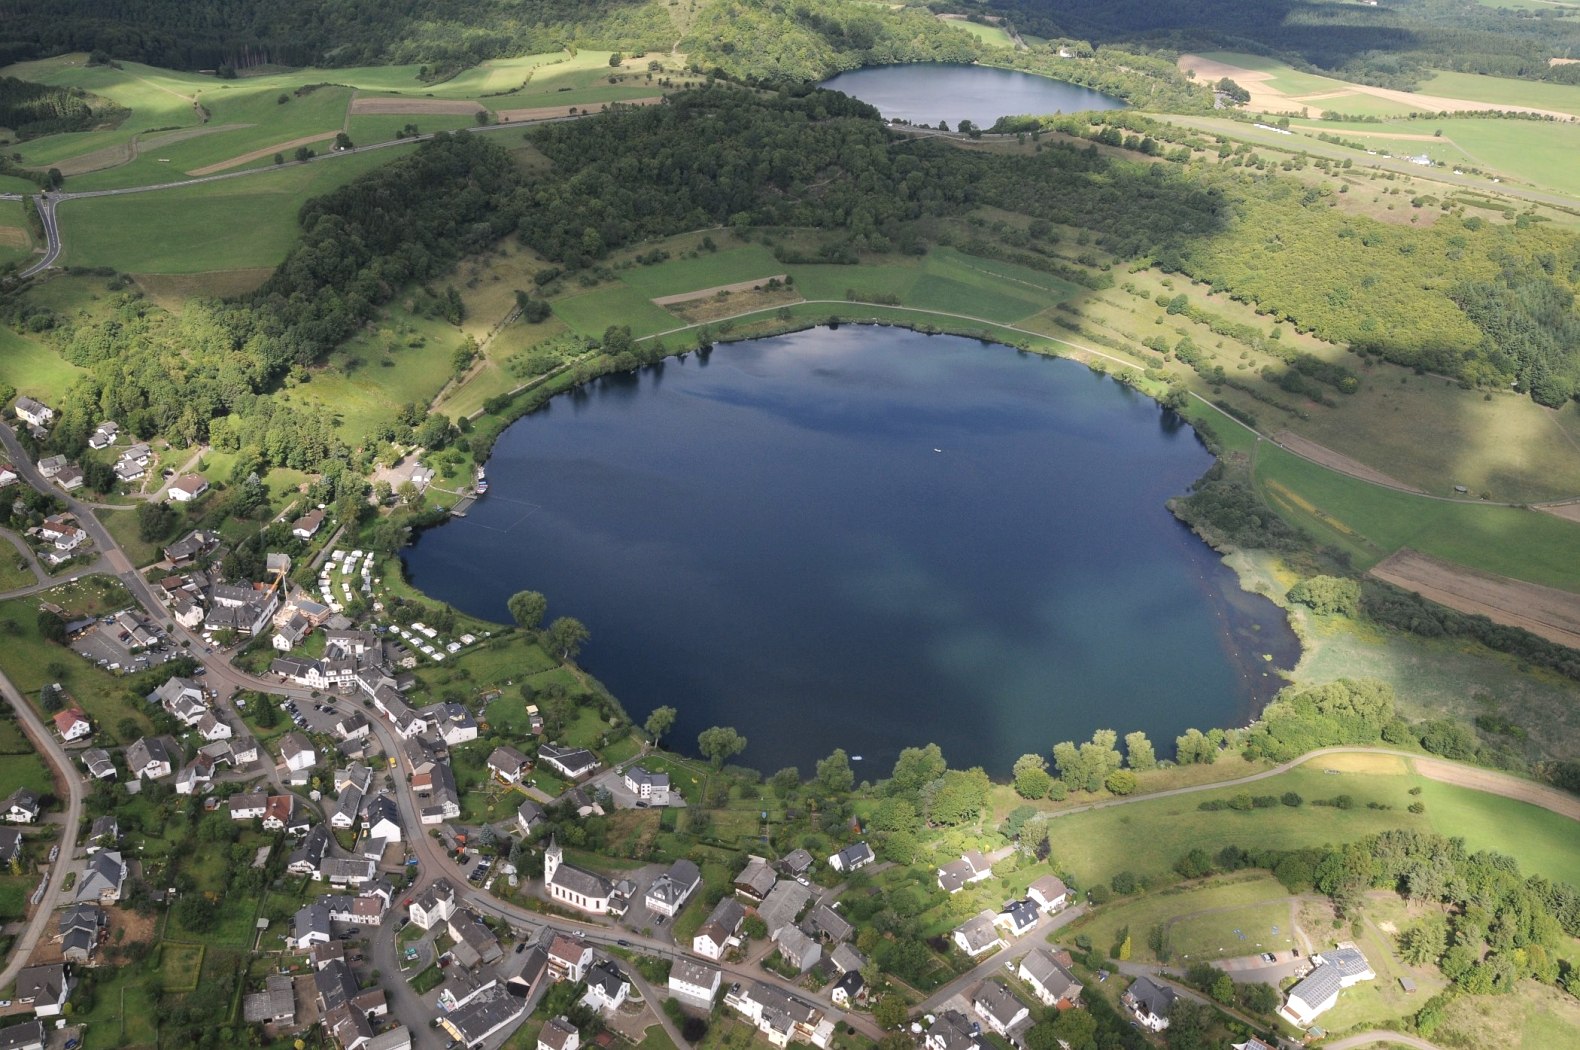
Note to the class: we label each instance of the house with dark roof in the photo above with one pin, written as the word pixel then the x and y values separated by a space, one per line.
pixel 434 905
pixel 849 990
pixel 1318 992
pixel 572 763
pixel 999 1009
pixel 508 764
pixel 103 879
pixel 276 1004
pixel 796 863
pixel 29 1035
pixel 530 817
pixel 1150 1003
pixel 756 881
pixel 81 927
pixel 10 845
pixel 568 884
pixel 44 988
pixel 670 891
pixel 151 757
pixel 1049 893
pixel 648 787
pixel 305 859
pixel 978 935
pixel 780 1015
pixel 856 855
pixel 719 931
pixel 971 868
pixel 1019 917
pixel 607 987
pixel 953 1030
pixel 23 807
pixel 465 928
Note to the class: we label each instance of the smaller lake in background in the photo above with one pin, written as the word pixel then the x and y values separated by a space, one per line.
pixel 927 92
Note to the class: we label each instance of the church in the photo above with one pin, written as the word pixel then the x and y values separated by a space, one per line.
pixel 568 884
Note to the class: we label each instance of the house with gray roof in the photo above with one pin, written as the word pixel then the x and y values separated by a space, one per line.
pixel 29 1035
pixel 856 855
pixel 718 932
pixel 670 891
pixel 1053 982
pixel 756 881
pixel 827 923
pixel 971 868
pixel 276 1004
pixel 797 949
pixel 694 983
pixel 103 879
pixel 782 906
pixel 953 1030
pixel 44 988
pixel 1150 1002
pixel 999 1009
pixel 978 935
pixel 152 757
pixel 1318 992
pixel 570 762
pixel 491 1013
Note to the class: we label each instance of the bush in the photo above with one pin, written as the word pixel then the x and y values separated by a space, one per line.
pixel 1292 799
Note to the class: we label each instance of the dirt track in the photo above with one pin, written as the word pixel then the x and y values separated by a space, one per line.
pixel 1337 461
pixel 1544 611
pixel 1567 511
pixel 126 152
pixel 1494 783
pixel 259 154
pixel 414 107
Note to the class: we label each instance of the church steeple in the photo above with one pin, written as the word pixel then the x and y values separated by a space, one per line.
pixel 553 857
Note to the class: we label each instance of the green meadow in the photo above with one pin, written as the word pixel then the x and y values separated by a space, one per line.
pixel 1477 87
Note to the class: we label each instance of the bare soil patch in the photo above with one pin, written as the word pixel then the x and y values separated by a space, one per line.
pixel 14 237
pixel 1562 61
pixel 706 293
pixel 1494 783
pixel 1337 461
pixel 414 107
pixel 731 304
pixel 550 112
pixel 126 152
pixel 259 154
pixel 1544 611
pixel 1567 511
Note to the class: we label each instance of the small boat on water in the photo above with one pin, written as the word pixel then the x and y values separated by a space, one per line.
pixel 482 481
pixel 855 758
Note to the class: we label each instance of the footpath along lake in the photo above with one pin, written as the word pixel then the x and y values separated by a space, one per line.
pixel 927 92
pixel 870 538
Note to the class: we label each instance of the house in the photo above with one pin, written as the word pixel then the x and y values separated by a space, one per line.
pixel 559 1034
pixel 607 987
pixel 279 812
pixel 570 762
pixel 346 871
pixel 23 807
pixel 61 533
pixel 103 879
pixel 80 928
pixel 463 986
pixel 780 1015
pixel 187 488
pixel 1254 1043
pixel 297 753
pixel 508 764
pixel 1050 979
pixel 529 817
pixel 852 857
pixel 104 435
pixel 781 907
pixel 360 911
pixel 98 763
pixel 1150 1002
pixel 381 820
pixel 952 1030
pixel 10 845
pixel 49 466
pixel 490 1013
pixel 72 724
pixel 452 721
pixel 797 949
pixel 8 475
pixel 244 749
pixel 44 988
pixel 69 478
pixel 849 990
pixel 276 1004
pixel 195 774
pixel 569 958
pixel 352 726
pixel 29 1035
pixel 248 806
pixel 307 526
pixel 151 757
pixel 445 798
pixel 846 958
pixel 570 885
pixel 433 905
pixel 694 983
pixel 756 881
pixel 1019 917
pixel 103 833
pixel 305 859
pixel 191 547
pixel 670 891
pixel 466 929
pixel 525 971
pixel 978 935
pixel 128 469
pixel 290 633
pixel 971 868
pixel 1049 893
pixel 34 412
pixel 334 986
pixel 651 788
pixel 347 809
pixel 829 924
pixel 176 691
pixel 998 1007
pixel 1319 991
pixel 718 933
pixel 211 728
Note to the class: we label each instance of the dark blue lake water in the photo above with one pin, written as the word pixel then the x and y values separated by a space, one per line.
pixel 927 92
pixel 870 538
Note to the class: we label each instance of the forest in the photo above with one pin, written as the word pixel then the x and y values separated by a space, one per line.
pixel 31 110
pixel 1393 45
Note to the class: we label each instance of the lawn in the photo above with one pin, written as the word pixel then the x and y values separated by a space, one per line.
pixel 180 965
pixel 592 313
pixel 14 569
pixel 25 769
pixel 16 242
pixel 1201 919
pixel 706 270
pixel 1147 837
pixel 992 36
pixel 1371 522
pixel 14 893
pixel 122 526
pixel 195 230
pixel 33 368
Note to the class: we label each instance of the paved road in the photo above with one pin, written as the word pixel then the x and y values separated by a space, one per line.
pixel 46 215
pixel 52 751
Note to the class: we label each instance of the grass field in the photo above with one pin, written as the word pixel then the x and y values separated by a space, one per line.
pixel 180 965
pixel 1147 837
pixel 592 313
pixel 14 570
pixel 1281 75
pixel 193 230
pixel 1503 91
pixel 1372 522
pixel 34 369
pixel 992 36
pixel 16 243
pixel 26 769
pixel 1201 919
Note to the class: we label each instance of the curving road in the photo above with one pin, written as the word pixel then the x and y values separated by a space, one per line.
pixel 55 754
